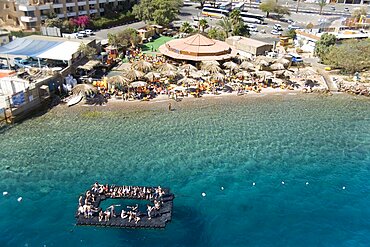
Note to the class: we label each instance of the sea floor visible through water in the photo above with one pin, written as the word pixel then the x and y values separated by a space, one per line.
pixel 276 170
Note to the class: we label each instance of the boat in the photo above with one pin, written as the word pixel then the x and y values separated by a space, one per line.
pixel 75 100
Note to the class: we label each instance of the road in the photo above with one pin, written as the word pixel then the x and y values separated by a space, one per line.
pixel 190 10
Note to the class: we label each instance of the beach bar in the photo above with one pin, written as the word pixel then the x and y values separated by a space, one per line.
pixel 90 213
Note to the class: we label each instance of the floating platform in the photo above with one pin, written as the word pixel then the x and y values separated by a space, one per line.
pixel 159 218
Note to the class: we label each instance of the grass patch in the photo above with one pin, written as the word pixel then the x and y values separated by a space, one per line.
pixel 155 44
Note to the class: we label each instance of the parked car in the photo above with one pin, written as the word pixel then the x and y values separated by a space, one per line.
pixel 332 8
pixel 82 33
pixel 293 27
pixel 275 32
pixel 290 21
pixel 22 63
pixel 346 9
pixel 296 58
pixel 277 27
pixel 89 32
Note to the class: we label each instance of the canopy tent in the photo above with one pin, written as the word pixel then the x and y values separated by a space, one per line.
pixel 33 46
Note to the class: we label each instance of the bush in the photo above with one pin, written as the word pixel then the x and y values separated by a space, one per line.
pixel 21 34
pixel 105 22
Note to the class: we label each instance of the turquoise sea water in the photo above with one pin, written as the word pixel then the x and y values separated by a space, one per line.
pixel 200 147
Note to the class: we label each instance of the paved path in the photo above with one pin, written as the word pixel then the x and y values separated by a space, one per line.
pixel 320 68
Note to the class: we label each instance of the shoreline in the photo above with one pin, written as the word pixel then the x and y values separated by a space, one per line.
pixel 162 101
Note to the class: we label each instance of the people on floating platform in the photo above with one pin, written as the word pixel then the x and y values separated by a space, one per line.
pixel 87 206
pixel 114 191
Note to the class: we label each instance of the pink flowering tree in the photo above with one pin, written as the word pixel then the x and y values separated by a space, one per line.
pixel 81 21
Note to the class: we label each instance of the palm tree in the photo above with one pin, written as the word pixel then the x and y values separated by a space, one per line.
pixel 186 28
pixel 235 17
pixel 322 4
pixel 202 24
pixel 226 26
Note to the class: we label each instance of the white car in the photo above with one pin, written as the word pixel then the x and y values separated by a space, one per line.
pixel 89 32
pixel 293 27
pixel 277 27
pixel 82 33
pixel 275 32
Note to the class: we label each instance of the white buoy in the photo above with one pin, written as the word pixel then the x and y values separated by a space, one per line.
pixel 5 193
pixel 307 183
pixel 203 194
pixel 19 199
pixel 253 183
pixel 282 182
pixel 222 188
pixel 344 187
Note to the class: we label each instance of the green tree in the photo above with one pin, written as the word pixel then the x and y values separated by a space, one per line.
pixel 87 51
pixel 291 33
pixel 203 24
pixel 323 45
pixel 226 25
pixel 125 38
pixel 235 17
pixel 161 12
pixel 268 7
pixel 322 4
pixel 54 22
pixel 358 12
pixel 350 56
pixel 186 28
pixel 215 33
pixel 281 10
pixel 271 6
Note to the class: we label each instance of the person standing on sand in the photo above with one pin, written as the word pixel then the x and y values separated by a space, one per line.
pixel 169 107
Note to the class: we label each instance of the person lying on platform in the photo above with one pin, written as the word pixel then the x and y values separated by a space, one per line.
pixel 137 219
pixel 133 208
pixel 131 216
pixel 149 209
pixel 124 214
pixel 101 215
pixel 107 215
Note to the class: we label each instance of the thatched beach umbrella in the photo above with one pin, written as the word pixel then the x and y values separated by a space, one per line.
pixel 211 62
pixel 151 76
pixel 169 73
pixel 283 61
pixel 186 80
pixel 231 66
pixel 118 79
pixel 263 73
pixel 247 65
pixel 218 76
pixel 167 67
pixel 133 74
pixel 84 88
pixel 124 66
pixel 197 74
pixel 188 67
pixel 241 58
pixel 142 65
pixel 211 68
pixel 138 84
pixel 243 74
pixel 277 66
